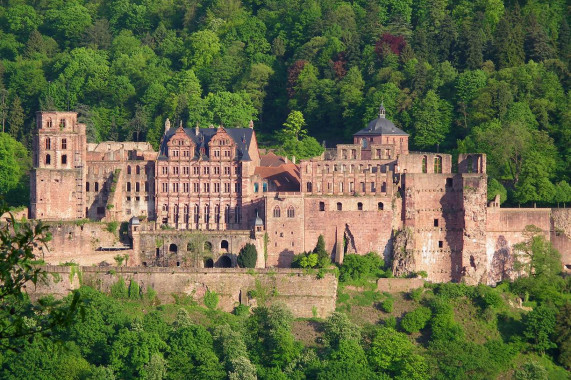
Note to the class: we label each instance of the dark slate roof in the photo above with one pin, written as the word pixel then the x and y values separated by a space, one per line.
pixel 241 136
pixel 381 126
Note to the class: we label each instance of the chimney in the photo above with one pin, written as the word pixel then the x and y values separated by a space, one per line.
pixel 251 125
pixel 167 125
pixel 293 159
pixel 196 129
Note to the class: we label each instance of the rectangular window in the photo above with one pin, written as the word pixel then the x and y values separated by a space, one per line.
pixel 435 222
pixel 185 170
pixel 216 187
pixel 195 170
pixel 165 170
pixel 226 187
pixel 195 187
pixel 237 187
pixel 216 153
pixel 226 170
pixel 217 170
pixel 206 170
pixel 165 187
pixel 175 187
pixel 372 187
pixel 321 206
pixel 226 153
pixel 185 187
pixel 64 143
pixel 175 170
pixel 206 187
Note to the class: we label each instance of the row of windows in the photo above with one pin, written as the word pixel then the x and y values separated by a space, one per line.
pixel 350 168
pixel 137 169
pixel 351 188
pixel 437 164
pixel 48 159
pixel 49 144
pixel 187 153
pixel 176 187
pixel 380 206
pixel 257 187
pixel 50 123
pixel 278 212
pixel 196 170
pixel 184 216
pixel 137 187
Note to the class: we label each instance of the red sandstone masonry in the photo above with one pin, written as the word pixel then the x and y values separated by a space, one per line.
pixel 302 293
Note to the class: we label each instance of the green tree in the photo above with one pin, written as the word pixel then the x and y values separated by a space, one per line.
pixel 22 19
pixel 415 320
pixel 14 163
pixel 431 120
pixel 539 326
pixel 69 22
pixel 293 127
pixel 248 256
pixel 536 257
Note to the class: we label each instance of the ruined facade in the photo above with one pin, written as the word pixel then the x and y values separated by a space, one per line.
pixel 209 191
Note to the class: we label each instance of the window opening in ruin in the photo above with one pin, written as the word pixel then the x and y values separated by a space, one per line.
pixel 264 187
pixel 129 169
pixel 144 263
pixel 469 164
pixel 277 212
pixel 64 159
pixel 256 187
pixel 173 248
pixel 424 160
pixel 380 206
pixel 321 206
pixel 209 263
pixel 440 244
pixel 64 143
pixel 309 187
pixel 178 263
pixel 157 252
pixel 360 206
pixel 225 262
pixel 224 245
pixel 438 164
pixel 339 206
pixel 48 143
pixel 128 186
pixel 96 186
pixel 50 123
pixel 449 182
pixel 138 170
pixel 435 222
pixel 137 187
pixel 290 212
pixel 87 186
pixel 62 123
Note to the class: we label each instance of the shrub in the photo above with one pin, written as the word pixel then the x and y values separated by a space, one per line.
pixel 416 294
pixel 112 226
pixel 134 290
pixel 391 322
pixel 248 256
pixel 211 300
pixel 119 289
pixel 387 305
pixel 416 320
pixel 357 267
pixel 242 310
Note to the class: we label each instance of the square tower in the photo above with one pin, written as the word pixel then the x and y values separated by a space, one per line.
pixel 58 175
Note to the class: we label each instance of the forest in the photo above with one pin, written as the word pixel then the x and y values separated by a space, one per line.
pixel 519 330
pixel 459 76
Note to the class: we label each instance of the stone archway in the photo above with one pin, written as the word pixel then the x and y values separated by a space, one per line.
pixel 209 263
pixel 173 248
pixel 224 262
pixel 224 246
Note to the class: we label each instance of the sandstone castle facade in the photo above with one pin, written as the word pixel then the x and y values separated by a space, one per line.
pixel 209 191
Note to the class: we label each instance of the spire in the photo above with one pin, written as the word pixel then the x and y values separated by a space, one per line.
pixel 382 111
pixel 180 124
pixel 167 125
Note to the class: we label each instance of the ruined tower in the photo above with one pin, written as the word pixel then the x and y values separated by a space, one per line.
pixel 58 175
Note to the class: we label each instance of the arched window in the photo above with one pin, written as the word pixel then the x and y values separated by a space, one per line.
pixel 207 247
pixel 217 213
pixel 64 159
pixel 48 159
pixel 277 212
pixel 438 164
pixel 62 123
pixel 196 213
pixel 424 160
pixel 48 143
pixel 309 187
pixel 128 186
pixel 339 206
pixel 64 143
pixel 360 206
pixel 206 213
pixel 137 187
pixel 380 206
pixel 224 245
pixel 227 214
pixel 96 186
pixel 290 212
pixel 138 170
pixel 173 248
pixel 86 186
pixel 128 169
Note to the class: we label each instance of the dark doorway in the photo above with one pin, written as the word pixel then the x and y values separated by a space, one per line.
pixel 173 248
pixel 225 262
pixel 209 263
pixel 224 245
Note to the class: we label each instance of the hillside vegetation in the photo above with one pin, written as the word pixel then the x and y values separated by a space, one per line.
pixel 481 76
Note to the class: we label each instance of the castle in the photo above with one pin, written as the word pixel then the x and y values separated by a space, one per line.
pixel 209 191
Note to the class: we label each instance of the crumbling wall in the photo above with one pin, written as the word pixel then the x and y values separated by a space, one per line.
pixel 304 294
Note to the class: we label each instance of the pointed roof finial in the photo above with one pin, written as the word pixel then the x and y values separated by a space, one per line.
pixel 382 110
pixel 251 125
pixel 180 124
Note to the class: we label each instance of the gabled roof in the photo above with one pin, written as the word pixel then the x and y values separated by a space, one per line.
pixel 242 137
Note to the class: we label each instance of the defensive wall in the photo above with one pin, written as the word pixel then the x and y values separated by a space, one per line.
pixel 304 294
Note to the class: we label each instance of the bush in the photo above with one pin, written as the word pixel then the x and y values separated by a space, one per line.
pixel 358 267
pixel 387 305
pixel 416 320
pixel 211 300
pixel 242 310
pixel 119 289
pixel 134 290
pixel 416 294
pixel 248 256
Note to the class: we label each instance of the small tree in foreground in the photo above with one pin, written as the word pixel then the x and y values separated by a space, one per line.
pixel 248 256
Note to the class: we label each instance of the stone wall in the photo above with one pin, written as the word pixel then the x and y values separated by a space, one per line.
pixel 84 244
pixel 561 234
pixel 305 295
pixel 397 285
